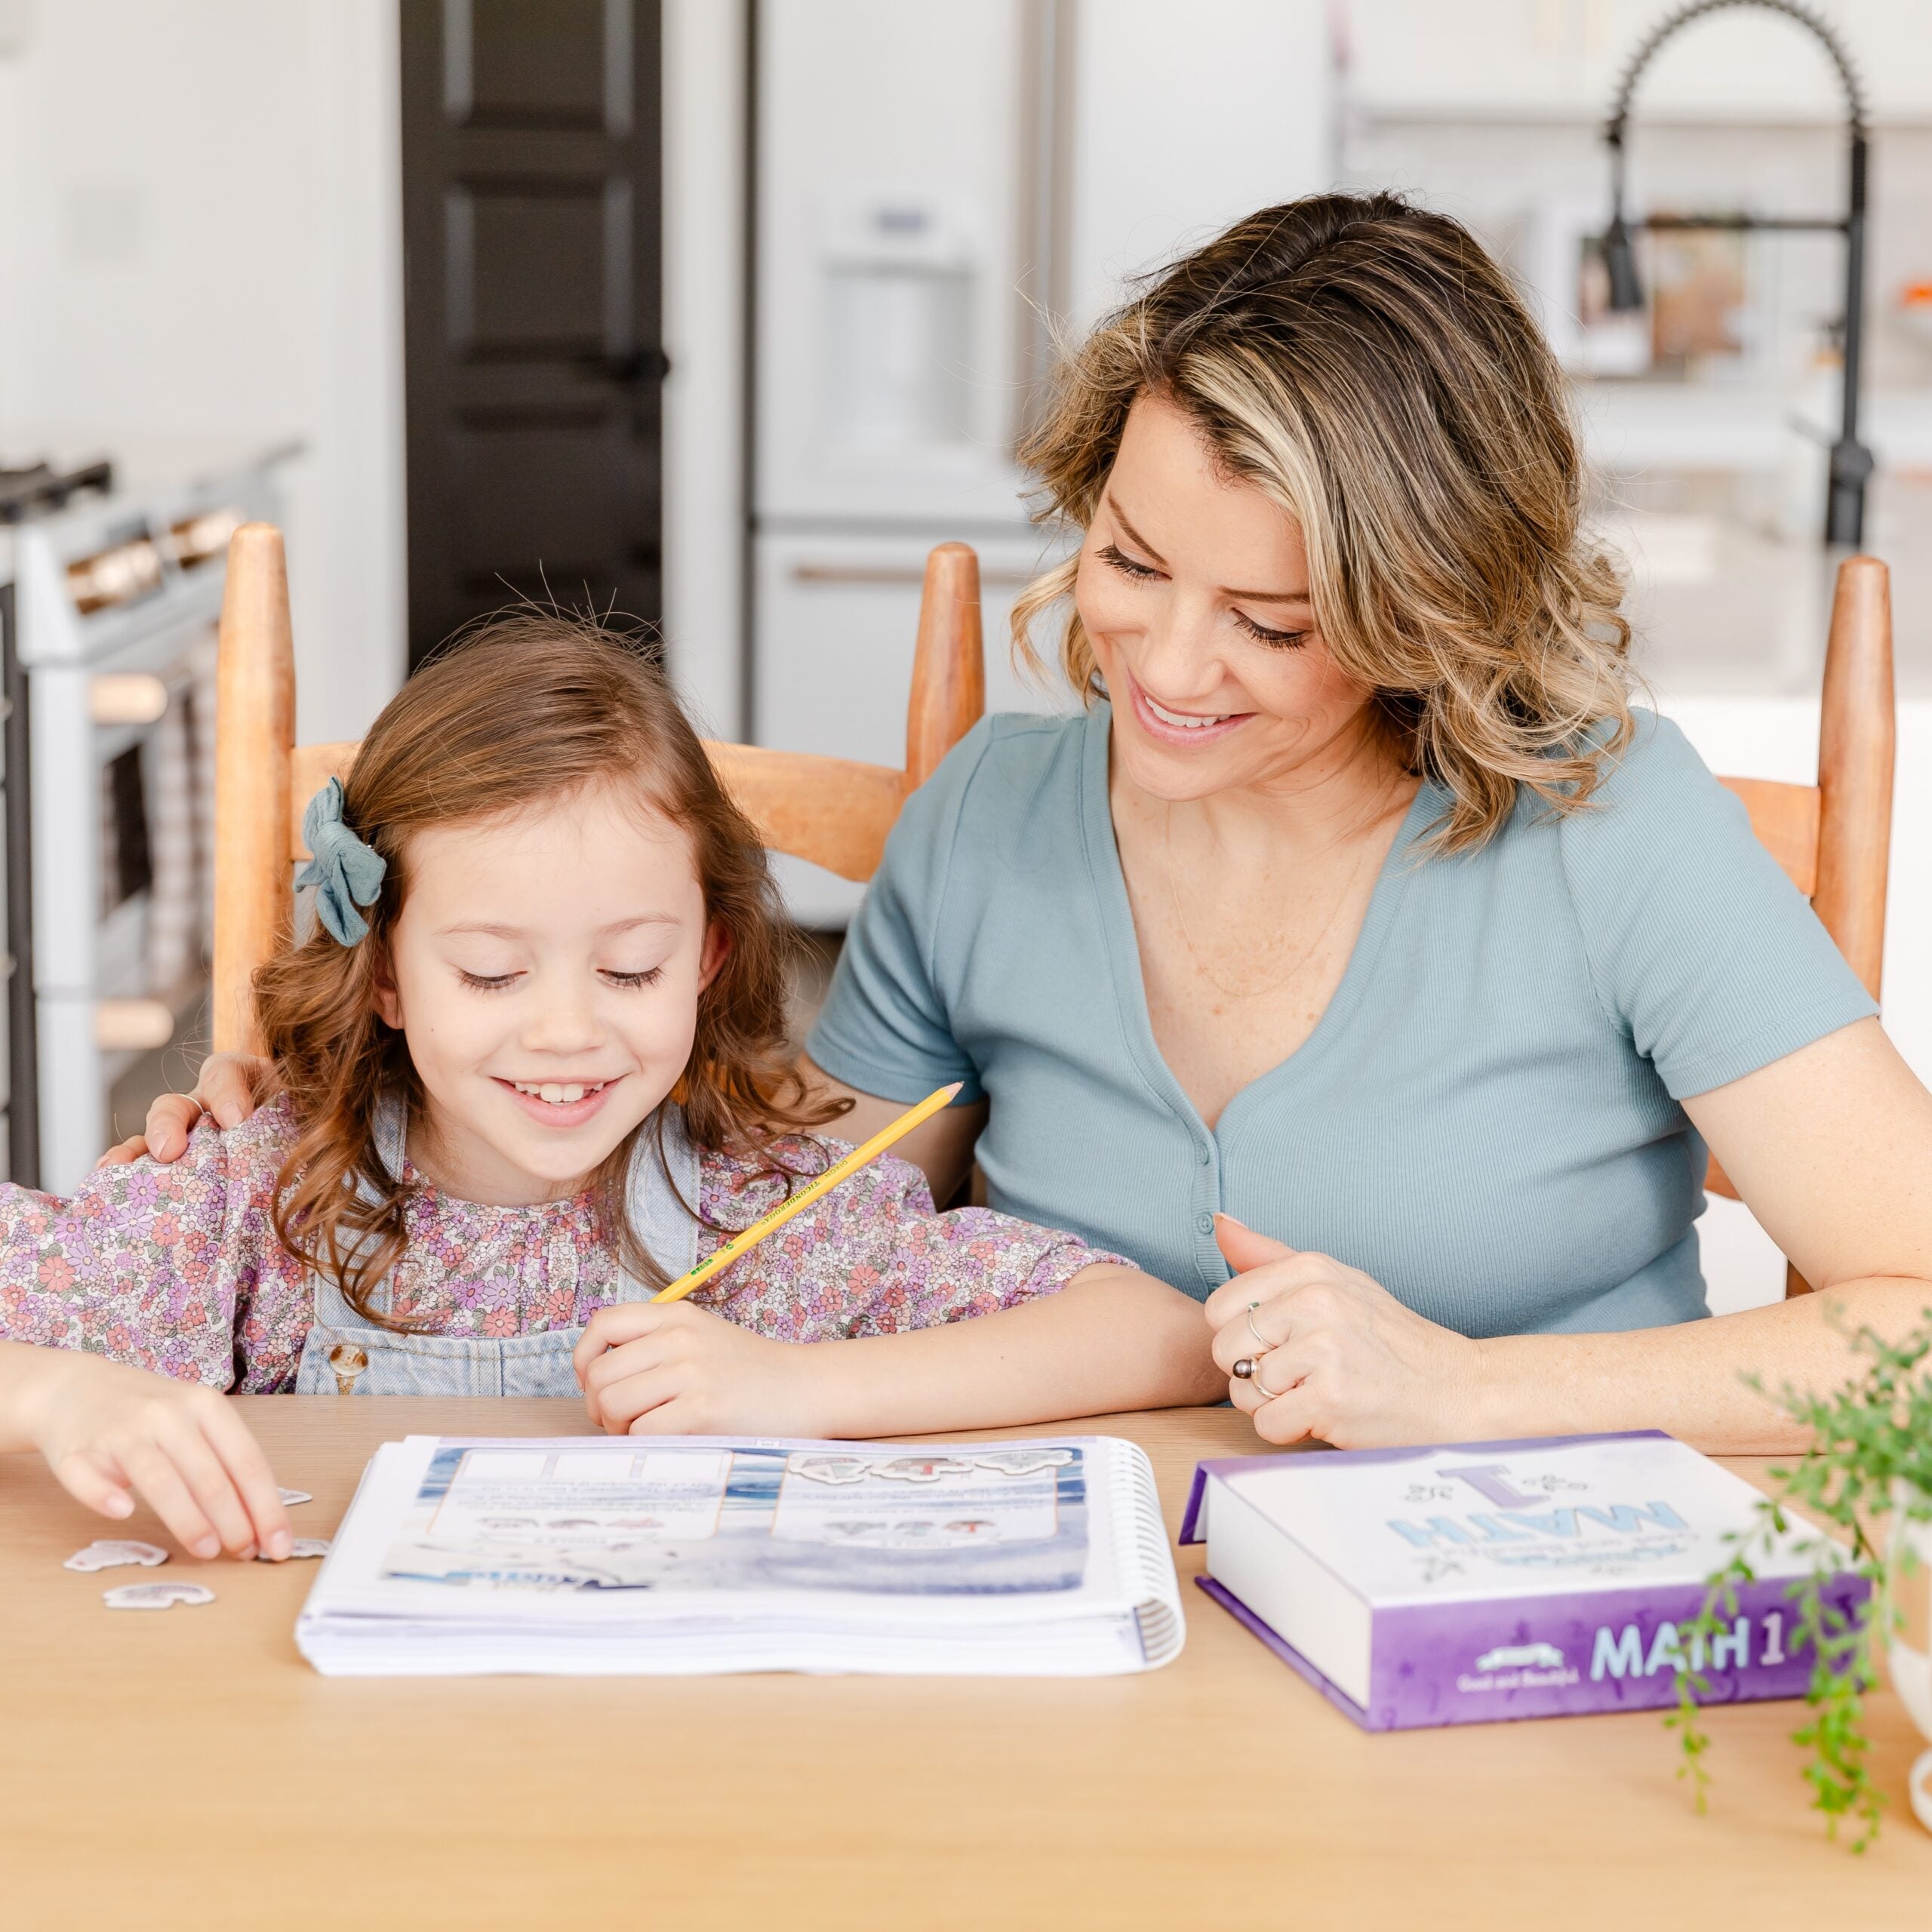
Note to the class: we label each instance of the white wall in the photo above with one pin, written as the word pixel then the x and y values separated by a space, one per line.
pixel 1151 179
pixel 201 232
pixel 705 135
pixel 1555 59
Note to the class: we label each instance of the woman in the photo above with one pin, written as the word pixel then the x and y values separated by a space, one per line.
pixel 1359 905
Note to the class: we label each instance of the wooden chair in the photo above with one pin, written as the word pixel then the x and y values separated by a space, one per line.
pixel 1834 838
pixel 833 811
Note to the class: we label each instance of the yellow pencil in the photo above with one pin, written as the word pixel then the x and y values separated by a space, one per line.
pixel 740 1244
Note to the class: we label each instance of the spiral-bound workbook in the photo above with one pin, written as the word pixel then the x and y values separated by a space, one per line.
pixel 597 1555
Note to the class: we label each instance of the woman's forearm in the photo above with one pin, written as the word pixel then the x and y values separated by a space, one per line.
pixel 1111 1340
pixel 1690 1379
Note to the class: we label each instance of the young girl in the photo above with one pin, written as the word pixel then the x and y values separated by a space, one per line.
pixel 529 1066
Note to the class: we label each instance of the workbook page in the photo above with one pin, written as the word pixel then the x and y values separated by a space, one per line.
pixel 577 1526
pixel 623 1515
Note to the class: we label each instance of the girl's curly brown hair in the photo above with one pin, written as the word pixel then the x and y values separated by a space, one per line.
pixel 527 709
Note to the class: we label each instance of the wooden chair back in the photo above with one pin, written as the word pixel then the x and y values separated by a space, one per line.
pixel 1834 838
pixel 835 812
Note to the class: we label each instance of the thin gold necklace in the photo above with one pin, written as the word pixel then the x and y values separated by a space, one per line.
pixel 1201 965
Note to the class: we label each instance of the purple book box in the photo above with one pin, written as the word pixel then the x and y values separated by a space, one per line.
pixel 1544 1655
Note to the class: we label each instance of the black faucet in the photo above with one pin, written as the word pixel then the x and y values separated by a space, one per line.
pixel 1851 460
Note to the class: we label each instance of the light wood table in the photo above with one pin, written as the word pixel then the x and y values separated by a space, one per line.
pixel 187 1768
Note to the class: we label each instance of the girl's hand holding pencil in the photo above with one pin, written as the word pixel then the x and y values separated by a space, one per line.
pixel 655 1367
pixel 651 1368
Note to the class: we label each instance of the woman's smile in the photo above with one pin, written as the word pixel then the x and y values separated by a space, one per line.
pixel 1187 729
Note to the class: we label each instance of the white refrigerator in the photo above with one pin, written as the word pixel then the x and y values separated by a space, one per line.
pixel 938 185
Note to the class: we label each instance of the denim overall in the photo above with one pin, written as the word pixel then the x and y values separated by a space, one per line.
pixel 344 1355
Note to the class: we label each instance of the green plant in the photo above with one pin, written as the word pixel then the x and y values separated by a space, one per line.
pixel 1872 1434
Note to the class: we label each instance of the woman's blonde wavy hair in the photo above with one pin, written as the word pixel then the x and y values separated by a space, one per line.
pixel 1367 365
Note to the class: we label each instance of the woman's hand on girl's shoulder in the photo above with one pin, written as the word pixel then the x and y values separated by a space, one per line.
pixel 651 1368
pixel 110 1433
pixel 228 1086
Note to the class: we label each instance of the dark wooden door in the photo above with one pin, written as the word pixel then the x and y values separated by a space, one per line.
pixel 531 166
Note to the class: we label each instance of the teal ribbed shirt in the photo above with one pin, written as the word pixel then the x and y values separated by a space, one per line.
pixel 1487 1118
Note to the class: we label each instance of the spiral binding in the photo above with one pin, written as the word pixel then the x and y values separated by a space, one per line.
pixel 1157 1615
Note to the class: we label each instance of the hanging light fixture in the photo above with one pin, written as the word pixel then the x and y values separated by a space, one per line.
pixel 1850 462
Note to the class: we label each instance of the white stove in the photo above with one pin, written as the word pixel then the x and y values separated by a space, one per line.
pixel 116 593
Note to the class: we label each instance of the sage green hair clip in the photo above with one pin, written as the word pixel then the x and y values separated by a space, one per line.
pixel 345 872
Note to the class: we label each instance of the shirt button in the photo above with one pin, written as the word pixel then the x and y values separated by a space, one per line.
pixel 1207 1153
pixel 1205 1222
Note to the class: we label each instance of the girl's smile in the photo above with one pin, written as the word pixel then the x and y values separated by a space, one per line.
pixel 554 1103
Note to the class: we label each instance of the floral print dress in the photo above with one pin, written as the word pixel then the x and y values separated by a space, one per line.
pixel 177 1268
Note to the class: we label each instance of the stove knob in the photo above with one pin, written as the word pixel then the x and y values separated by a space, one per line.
pixel 126 697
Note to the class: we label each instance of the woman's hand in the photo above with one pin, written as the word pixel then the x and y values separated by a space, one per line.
pixel 110 1433
pixel 1345 1362
pixel 651 1368
pixel 228 1086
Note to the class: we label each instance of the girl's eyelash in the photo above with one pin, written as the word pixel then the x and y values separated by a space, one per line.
pixel 483 983
pixel 1112 553
pixel 1261 634
pixel 486 983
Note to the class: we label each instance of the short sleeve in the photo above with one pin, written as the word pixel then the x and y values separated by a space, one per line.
pixel 884 1028
pixel 173 1267
pixel 1701 947
pixel 127 1266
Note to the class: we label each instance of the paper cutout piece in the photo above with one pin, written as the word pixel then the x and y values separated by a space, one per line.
pixel 922 1469
pixel 830 1469
pixel 308 1546
pixel 111 1552
pixel 1022 1462
pixel 155 1596
pixel 289 1497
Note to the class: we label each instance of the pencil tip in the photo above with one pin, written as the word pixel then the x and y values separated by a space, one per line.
pixel 952 1092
